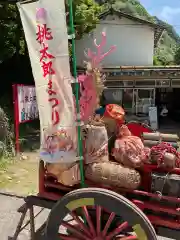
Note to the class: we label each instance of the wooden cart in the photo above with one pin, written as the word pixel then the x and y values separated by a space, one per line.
pixel 99 212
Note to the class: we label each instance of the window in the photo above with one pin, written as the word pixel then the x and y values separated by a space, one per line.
pixel 163 83
pixel 175 83
pixel 144 93
pixel 128 83
pixel 143 99
pixel 113 83
pixel 113 96
pixel 117 83
pixel 127 99
pixel 145 83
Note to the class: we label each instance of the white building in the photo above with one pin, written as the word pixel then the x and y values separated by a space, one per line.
pixel 134 38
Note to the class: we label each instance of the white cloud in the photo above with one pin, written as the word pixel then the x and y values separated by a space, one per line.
pixel 169 14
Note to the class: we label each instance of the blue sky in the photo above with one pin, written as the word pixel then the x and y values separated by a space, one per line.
pixel 167 10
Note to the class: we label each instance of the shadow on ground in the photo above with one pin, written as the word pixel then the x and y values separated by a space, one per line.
pixel 40 232
pixel 39 235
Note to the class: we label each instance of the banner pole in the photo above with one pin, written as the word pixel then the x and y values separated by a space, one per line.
pixel 80 145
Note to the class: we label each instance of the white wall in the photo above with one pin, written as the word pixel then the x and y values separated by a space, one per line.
pixel 135 43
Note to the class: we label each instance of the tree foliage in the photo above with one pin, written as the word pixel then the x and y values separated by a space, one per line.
pixel 177 56
pixel 11 31
pixel 86 16
pixel 156 61
pixel 12 40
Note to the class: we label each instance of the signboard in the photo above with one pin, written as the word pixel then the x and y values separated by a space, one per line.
pixel 44 24
pixel 27 104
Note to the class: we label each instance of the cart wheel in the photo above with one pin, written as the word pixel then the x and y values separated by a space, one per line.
pixel 106 215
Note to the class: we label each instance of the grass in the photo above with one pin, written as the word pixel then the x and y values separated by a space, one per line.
pixel 4 163
pixel 20 176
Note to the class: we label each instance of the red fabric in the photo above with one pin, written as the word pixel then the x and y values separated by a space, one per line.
pixel 137 129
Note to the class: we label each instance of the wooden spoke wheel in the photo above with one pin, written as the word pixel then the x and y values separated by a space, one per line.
pixel 97 214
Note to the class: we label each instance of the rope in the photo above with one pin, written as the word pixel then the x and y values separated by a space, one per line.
pixel 160 193
pixel 163 148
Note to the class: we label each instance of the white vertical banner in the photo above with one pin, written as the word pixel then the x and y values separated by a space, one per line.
pixel 44 24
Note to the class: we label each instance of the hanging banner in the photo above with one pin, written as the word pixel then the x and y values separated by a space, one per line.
pixel 44 24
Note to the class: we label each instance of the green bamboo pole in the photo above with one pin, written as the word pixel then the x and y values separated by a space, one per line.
pixel 80 146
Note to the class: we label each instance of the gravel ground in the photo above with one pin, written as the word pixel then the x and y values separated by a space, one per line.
pixel 9 219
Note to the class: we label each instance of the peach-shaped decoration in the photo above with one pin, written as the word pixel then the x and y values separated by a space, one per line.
pixel 41 15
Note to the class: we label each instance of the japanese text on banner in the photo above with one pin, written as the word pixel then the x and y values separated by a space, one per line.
pixel 44 34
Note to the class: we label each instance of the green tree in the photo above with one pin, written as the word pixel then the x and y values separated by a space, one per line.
pixel 156 61
pixel 86 16
pixel 177 56
pixel 11 34
pixel 12 40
